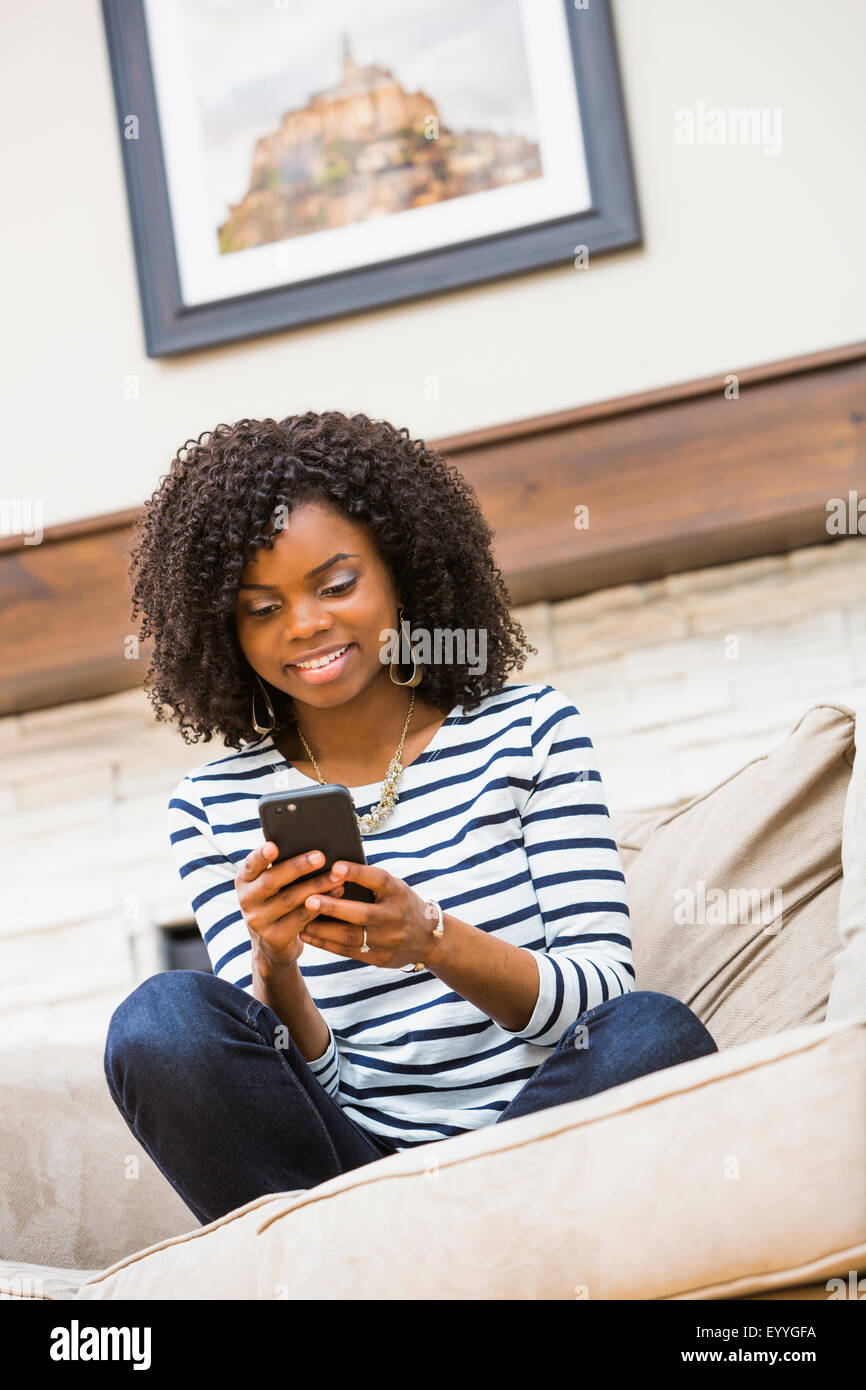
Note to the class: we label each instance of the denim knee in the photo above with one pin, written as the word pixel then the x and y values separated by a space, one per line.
pixel 164 1016
pixel 668 1017
pixel 653 1017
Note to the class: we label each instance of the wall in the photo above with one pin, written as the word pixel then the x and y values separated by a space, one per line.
pixel 747 258
pixel 673 706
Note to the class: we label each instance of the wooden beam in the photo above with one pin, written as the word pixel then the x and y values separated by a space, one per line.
pixel 672 484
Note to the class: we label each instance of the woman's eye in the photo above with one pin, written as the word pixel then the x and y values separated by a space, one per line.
pixel 334 589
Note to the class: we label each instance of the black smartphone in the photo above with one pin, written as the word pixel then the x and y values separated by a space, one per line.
pixel 320 818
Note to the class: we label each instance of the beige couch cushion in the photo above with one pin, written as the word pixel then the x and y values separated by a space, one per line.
pixel 848 991
pixel 709 879
pixel 632 831
pixel 703 1180
pixel 216 1261
pixel 76 1187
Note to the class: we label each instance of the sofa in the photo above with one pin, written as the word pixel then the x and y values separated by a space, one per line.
pixel 737 1175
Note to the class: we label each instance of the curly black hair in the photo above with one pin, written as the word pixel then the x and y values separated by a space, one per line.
pixel 216 507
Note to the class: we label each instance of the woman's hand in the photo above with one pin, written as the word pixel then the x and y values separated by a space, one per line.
pixel 399 931
pixel 272 901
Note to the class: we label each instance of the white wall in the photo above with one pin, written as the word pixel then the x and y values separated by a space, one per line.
pixel 747 258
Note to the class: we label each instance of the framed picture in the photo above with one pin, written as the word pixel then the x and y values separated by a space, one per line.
pixel 289 161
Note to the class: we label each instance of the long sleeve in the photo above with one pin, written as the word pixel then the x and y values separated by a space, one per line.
pixel 207 875
pixel 576 873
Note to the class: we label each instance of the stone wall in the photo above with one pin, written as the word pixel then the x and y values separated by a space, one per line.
pixel 681 681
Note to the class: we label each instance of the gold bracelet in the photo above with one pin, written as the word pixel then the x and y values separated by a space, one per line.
pixel 431 910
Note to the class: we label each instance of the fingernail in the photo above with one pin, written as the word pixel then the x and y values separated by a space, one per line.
pixel 316 857
pixel 312 902
pixel 339 868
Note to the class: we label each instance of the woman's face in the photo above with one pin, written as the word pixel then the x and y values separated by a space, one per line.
pixel 323 585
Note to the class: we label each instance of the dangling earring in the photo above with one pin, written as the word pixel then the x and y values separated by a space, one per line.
pixel 261 728
pixel 417 671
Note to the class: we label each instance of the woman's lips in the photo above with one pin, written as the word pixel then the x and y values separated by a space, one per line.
pixel 317 675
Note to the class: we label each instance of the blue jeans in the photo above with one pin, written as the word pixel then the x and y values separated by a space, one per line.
pixel 227 1115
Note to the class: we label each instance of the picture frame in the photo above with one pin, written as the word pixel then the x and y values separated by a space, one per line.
pixel 194 295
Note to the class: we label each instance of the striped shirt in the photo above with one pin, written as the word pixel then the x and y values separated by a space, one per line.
pixel 502 819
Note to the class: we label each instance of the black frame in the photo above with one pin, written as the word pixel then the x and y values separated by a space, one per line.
pixel 171 327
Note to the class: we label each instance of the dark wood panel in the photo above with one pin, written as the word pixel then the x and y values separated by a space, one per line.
pixel 673 479
pixel 64 620
pixel 671 487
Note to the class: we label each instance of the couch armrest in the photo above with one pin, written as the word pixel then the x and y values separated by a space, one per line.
pixel 76 1188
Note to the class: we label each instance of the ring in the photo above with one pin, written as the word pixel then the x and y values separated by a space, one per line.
pixel 365 947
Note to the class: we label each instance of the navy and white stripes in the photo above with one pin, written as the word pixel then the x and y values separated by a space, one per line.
pixel 502 819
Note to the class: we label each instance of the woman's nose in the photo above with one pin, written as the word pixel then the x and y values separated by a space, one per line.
pixel 304 620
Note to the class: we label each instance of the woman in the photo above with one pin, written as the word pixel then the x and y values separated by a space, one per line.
pixel 492 976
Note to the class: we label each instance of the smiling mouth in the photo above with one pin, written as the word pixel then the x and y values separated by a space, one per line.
pixel 329 664
pixel 319 661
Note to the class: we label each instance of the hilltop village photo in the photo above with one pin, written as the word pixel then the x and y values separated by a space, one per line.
pixel 363 149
